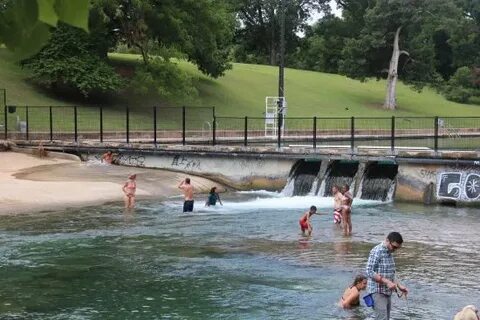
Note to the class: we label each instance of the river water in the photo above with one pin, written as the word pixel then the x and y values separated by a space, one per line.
pixel 245 260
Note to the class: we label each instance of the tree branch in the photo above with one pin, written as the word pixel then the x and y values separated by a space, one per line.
pixel 405 53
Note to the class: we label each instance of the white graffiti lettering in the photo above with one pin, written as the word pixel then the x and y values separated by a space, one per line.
pixel 458 186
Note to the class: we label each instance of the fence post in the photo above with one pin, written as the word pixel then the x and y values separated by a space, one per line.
pixel 51 124
pixel 5 120
pixel 101 124
pixel 183 125
pixel 155 126
pixel 392 138
pixel 314 132
pixel 214 129
pixel 75 117
pixel 279 130
pixel 26 123
pixel 352 133
pixel 128 124
pixel 435 135
pixel 245 132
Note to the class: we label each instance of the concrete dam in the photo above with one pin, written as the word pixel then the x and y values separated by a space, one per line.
pixel 412 175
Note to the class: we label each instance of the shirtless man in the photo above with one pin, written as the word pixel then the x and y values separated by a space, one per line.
pixel 337 205
pixel 188 195
pixel 347 201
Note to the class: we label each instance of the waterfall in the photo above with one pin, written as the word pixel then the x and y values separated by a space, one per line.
pixel 288 189
pixel 302 179
pixel 339 173
pixel 378 182
pixel 377 189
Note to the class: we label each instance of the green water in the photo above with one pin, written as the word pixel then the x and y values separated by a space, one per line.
pixel 241 261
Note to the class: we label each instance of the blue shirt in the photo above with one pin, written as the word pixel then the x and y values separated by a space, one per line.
pixel 380 262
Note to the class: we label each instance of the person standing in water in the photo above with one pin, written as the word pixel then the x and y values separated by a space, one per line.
pixel 381 275
pixel 305 223
pixel 351 295
pixel 187 194
pixel 347 201
pixel 337 205
pixel 213 197
pixel 129 189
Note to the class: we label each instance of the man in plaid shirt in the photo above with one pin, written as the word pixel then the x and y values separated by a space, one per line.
pixel 381 275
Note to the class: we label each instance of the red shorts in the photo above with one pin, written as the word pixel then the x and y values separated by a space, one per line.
pixel 303 225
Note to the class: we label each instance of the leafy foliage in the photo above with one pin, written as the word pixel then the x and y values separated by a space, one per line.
pixel 200 30
pixel 70 60
pixel 426 29
pixel 463 85
pixel 25 24
pixel 258 29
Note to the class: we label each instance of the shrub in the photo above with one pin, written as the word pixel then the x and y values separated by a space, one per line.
pixel 72 60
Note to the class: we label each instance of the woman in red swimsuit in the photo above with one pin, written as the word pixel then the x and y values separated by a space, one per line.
pixel 304 221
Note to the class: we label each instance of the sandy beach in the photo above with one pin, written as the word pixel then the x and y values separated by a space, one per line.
pixel 29 183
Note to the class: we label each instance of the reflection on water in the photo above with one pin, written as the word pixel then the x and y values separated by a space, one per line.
pixel 245 260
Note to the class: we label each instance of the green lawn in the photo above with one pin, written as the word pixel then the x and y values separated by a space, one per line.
pixel 241 92
pixel 243 89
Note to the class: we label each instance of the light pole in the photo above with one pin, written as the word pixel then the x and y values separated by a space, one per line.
pixel 281 77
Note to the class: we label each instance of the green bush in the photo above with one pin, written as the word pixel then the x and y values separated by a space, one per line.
pixel 72 60
pixel 461 86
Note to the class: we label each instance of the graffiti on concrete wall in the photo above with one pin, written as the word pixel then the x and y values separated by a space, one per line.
pixel 130 160
pixel 135 160
pixel 185 163
pixel 460 185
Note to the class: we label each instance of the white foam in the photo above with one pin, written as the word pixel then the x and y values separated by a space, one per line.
pixel 298 202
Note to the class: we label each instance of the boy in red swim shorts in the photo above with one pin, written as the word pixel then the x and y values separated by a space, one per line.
pixel 305 224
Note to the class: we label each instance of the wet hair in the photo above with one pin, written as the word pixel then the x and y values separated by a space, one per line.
pixel 213 189
pixel 358 279
pixel 347 187
pixel 313 208
pixel 335 187
pixel 132 176
pixel 395 237
pixel 187 180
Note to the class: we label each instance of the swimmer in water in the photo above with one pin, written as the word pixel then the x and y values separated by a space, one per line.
pixel 351 295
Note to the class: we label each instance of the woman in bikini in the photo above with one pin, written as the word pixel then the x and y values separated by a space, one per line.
pixel 129 189
pixel 347 200
pixel 351 295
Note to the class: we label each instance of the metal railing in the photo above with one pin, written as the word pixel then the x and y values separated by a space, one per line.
pixel 200 125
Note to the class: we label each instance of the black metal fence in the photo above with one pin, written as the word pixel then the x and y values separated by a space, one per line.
pixel 200 125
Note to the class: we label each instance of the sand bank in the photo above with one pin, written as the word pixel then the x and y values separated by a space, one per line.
pixel 30 184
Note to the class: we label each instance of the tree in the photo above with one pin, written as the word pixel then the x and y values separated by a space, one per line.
pixel 400 34
pixel 259 24
pixel 72 59
pixel 201 31
pixel 25 25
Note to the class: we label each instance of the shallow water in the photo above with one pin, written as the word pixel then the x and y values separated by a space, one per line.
pixel 240 261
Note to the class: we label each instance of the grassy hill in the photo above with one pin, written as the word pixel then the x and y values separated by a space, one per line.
pixel 243 89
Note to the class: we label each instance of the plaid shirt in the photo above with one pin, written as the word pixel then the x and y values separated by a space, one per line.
pixel 380 262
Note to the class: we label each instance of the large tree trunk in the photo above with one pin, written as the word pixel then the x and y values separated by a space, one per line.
pixel 391 96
